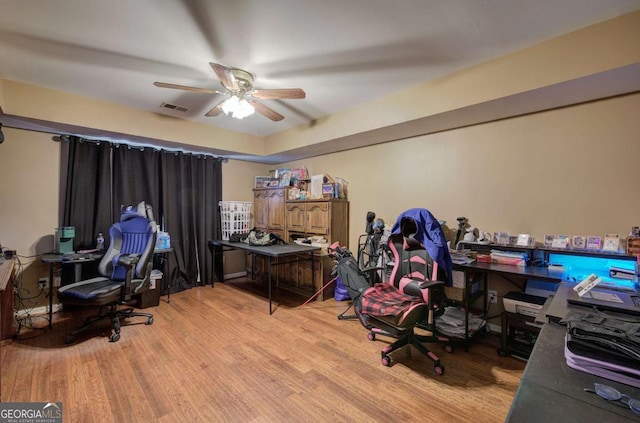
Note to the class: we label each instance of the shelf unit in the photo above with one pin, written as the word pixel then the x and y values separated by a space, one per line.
pixel 469 300
pixel 518 336
pixel 518 329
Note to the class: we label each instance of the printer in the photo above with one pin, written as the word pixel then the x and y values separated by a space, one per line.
pixel 522 303
pixel 530 302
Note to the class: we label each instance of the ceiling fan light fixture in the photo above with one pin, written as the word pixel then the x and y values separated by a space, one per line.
pixel 236 107
pixel 240 99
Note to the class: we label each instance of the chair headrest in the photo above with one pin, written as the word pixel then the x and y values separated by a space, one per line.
pixel 141 210
pixel 409 229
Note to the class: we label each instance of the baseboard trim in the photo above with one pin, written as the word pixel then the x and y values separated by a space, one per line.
pixel 234 275
pixel 37 311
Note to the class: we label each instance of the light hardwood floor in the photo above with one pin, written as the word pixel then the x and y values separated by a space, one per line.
pixel 216 355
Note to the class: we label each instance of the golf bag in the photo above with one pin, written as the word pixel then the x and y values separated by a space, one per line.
pixel 353 279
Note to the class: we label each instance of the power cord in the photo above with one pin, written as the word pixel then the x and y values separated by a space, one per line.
pixel 25 302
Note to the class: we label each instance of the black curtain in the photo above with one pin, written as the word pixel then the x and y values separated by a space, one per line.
pixel 87 201
pixel 192 191
pixel 183 189
pixel 136 178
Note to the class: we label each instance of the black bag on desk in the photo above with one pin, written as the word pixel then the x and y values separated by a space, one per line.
pixel 259 238
pixel 602 350
pixel 610 340
pixel 238 237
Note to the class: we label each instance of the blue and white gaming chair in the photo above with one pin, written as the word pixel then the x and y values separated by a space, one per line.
pixel 125 271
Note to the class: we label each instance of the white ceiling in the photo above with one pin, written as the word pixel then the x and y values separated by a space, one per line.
pixel 341 52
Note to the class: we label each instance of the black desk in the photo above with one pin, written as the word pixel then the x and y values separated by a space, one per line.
pixel 509 273
pixel 53 259
pixel 552 391
pixel 521 272
pixel 277 251
pixel 160 255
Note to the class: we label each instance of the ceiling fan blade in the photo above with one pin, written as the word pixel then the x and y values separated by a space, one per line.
pixel 280 94
pixel 216 110
pixel 266 111
pixel 225 76
pixel 186 88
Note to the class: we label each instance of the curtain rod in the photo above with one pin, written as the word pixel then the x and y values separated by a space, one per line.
pixel 141 147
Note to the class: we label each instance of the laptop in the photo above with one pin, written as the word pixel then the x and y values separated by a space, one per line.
pixel 607 300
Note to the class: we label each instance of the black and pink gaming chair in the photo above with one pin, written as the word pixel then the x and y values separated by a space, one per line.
pixel 414 293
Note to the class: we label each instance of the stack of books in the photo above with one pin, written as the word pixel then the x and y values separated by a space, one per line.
pixel 513 258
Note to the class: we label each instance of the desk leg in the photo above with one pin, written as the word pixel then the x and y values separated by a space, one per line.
pixel 214 276
pixel 77 272
pixel 50 294
pixel 313 276
pixel 269 278
pixel 466 294
pixel 165 276
pixel 502 351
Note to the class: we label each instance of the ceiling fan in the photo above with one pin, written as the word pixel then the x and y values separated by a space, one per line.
pixel 241 99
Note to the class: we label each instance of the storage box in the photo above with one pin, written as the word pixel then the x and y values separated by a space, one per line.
pixel 328 190
pixel 234 218
pixel 155 279
pixel 454 293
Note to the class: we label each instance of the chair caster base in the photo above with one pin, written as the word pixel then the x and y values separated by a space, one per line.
pixel 386 360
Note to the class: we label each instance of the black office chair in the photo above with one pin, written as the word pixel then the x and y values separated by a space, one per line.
pixel 125 269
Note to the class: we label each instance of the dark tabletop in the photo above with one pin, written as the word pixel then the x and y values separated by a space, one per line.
pixel 277 250
pixel 551 391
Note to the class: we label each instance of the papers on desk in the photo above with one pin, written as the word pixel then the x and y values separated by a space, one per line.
pixel 451 322
pixel 76 257
pixel 461 258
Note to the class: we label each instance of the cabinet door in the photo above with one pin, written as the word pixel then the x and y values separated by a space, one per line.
pixel 317 218
pixel 276 210
pixel 260 209
pixel 295 217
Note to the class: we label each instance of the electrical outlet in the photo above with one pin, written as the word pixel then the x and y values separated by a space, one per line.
pixel 42 283
pixel 56 281
pixel 493 296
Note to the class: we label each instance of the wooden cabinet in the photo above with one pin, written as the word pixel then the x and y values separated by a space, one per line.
pixel 269 209
pixel 294 219
pixel 328 218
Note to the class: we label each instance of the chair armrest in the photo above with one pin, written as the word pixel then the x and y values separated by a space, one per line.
pixel 129 261
pixel 429 284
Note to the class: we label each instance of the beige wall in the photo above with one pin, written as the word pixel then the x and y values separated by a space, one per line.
pixel 237 182
pixel 29 163
pixel 565 171
pixel 1 94
pixel 57 106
